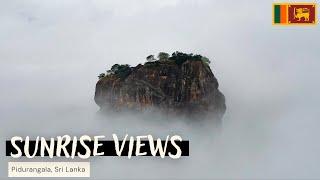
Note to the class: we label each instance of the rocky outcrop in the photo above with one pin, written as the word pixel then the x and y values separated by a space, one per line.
pixel 188 89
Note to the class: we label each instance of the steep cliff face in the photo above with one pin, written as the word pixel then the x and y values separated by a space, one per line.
pixel 188 89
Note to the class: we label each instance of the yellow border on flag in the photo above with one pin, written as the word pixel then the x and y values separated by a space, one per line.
pixel 295 24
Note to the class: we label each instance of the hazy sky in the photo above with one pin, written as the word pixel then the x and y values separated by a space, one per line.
pixel 52 51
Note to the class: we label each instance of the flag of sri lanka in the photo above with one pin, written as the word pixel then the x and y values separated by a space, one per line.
pixel 294 13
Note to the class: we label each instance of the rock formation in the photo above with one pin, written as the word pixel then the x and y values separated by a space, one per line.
pixel 173 86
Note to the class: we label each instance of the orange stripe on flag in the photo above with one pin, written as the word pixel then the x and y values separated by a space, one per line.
pixel 284 14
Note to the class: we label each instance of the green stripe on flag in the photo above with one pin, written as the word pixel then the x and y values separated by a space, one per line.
pixel 277 14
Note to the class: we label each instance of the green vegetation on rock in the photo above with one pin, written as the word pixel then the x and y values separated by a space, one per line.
pixel 177 57
pixel 162 56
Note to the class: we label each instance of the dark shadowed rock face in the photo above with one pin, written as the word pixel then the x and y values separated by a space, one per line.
pixel 189 89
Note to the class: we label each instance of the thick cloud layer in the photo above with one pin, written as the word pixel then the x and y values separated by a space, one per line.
pixel 52 51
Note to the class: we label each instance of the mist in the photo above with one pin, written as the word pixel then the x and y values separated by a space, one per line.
pixel 52 52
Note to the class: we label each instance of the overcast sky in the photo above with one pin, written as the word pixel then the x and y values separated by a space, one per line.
pixel 52 51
